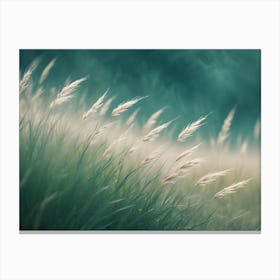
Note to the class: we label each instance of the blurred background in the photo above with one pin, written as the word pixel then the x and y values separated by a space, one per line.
pixel 188 83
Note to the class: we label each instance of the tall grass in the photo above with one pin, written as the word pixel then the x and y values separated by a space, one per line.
pixel 88 168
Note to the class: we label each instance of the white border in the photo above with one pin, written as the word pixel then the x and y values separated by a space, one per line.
pixel 155 24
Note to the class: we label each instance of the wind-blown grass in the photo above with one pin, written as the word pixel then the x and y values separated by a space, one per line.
pixel 80 170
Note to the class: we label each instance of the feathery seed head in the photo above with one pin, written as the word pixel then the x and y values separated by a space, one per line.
pixel 106 106
pixel 187 152
pixel 223 135
pixel 153 119
pixel 170 179
pixel 65 93
pixel 211 177
pixel 232 189
pixel 60 100
pixel 154 155
pixel 98 104
pixel 132 117
pixel 46 71
pixel 38 93
pixel 184 168
pixel 135 147
pixel 190 129
pixel 25 81
pixel 108 151
pixel 103 128
pixel 125 106
pixel 154 133
pixel 68 89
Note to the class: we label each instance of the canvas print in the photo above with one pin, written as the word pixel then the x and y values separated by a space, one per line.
pixel 140 140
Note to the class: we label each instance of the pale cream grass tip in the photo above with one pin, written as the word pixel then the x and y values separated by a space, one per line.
pixel 224 133
pixel 231 189
pixel 106 106
pixel 96 105
pixel 25 81
pixel 154 133
pixel 60 100
pixel 68 89
pixel 190 129
pixel 101 129
pixel 135 147
pixel 126 105
pixel 187 152
pixel 121 138
pixel 211 177
pixel 46 71
pixel 152 120
pixel 170 179
pixel 65 94
pixel 154 155
pixel 38 93
pixel 183 169
pixel 110 148
pixel 132 117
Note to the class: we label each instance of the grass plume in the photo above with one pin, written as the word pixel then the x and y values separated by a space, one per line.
pixel 106 106
pixel 232 188
pixel 25 80
pixel 184 168
pixel 224 133
pixel 68 89
pixel 96 105
pixel 125 106
pixel 83 177
pixel 190 129
pixel 60 100
pixel 154 133
pixel 65 94
pixel 152 120
pixel 211 177
pixel 187 152
pixel 132 117
pixel 46 71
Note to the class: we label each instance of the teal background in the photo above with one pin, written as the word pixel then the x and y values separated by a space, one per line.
pixel 189 83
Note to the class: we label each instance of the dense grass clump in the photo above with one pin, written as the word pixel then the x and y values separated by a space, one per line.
pixel 67 184
pixel 88 169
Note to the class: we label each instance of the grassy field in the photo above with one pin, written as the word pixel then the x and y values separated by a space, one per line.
pixel 86 167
